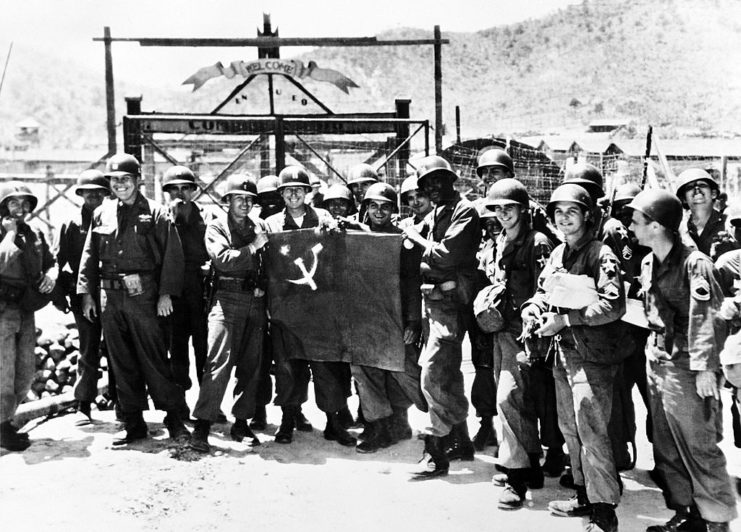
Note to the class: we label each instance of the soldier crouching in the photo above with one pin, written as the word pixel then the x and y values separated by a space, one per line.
pixel 133 256
pixel 236 321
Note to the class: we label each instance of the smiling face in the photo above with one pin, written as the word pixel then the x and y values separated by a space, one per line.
pixel 337 207
pixel 570 219
pixel 379 212
pixel 240 206
pixel 509 215
pixel 18 208
pixel 492 174
pixel 437 187
pixel 125 187
pixel 294 197
pixel 699 194
pixel 418 202
pixel 93 198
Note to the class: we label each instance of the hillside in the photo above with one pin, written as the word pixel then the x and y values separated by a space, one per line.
pixel 672 63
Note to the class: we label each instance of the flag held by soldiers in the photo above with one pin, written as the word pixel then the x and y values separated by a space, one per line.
pixel 336 297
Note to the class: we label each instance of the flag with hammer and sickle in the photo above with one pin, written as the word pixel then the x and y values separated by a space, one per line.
pixel 336 297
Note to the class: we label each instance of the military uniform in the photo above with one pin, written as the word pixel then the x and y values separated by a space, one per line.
pixel 682 298
pixel 517 265
pixel 236 320
pixel 711 240
pixel 135 239
pixel 22 262
pixel 70 243
pixel 449 270
pixel 188 318
pixel 382 392
pixel 586 357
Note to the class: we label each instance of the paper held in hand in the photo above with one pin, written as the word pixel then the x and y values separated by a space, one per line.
pixel 635 314
pixel 566 290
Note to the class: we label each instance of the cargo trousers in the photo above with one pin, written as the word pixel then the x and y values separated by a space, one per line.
pixel 584 401
pixel 88 364
pixel 442 379
pixel 137 344
pixel 236 327
pixel 686 432
pixel 17 359
pixel 515 403
pixel 188 322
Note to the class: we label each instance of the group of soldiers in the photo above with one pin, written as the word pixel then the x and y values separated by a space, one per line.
pixel 567 308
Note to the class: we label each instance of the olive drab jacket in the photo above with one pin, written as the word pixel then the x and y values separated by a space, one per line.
pixel 22 263
pixel 518 264
pixel 226 244
pixel 453 239
pixel 596 331
pixel 682 296
pixel 140 238
pixel 191 230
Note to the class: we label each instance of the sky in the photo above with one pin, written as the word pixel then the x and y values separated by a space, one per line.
pixel 67 27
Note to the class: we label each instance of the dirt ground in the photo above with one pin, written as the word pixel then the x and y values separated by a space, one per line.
pixel 73 479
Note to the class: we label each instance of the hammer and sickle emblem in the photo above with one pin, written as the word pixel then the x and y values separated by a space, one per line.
pixel 308 277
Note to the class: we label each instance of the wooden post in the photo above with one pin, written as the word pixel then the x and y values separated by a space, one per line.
pixel 110 98
pixel 280 146
pixel 458 124
pixel 438 91
pixel 648 156
pixel 402 133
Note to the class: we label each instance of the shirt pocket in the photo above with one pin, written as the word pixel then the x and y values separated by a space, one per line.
pixel 105 237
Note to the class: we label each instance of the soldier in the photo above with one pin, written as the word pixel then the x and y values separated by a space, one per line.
pixel 449 270
pixel 269 202
pixel 697 190
pixel 27 277
pixel 237 317
pixel 134 259
pixel 579 301
pixel 292 374
pixel 338 201
pixel 188 318
pixel 682 297
pixel 612 232
pixel 521 254
pixel 416 200
pixel 387 395
pixel 359 178
pixel 93 187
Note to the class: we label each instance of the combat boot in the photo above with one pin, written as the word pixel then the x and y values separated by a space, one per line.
pixel 284 434
pixel 717 527
pixel 459 446
pixel 240 430
pixel 176 427
pixel 398 425
pixel 554 462
pixel 335 432
pixel 10 440
pixel 486 435
pixel 685 520
pixel 21 435
pixel 83 415
pixel 302 424
pixel 513 496
pixel 375 436
pixel 199 439
pixel 534 477
pixel 346 417
pixel 434 447
pixel 260 420
pixel 602 518
pixel 134 429
pixel 576 506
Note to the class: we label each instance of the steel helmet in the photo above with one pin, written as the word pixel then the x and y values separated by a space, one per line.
pixel 587 176
pixel 122 164
pixel 626 192
pixel 409 184
pixel 572 193
pixel 267 184
pixel 361 173
pixel 659 205
pixel 178 175
pixel 483 208
pixel 507 191
pixel 434 165
pixel 495 157
pixel 92 180
pixel 690 176
pixel 16 189
pixel 381 192
pixel 294 176
pixel 338 191
pixel 315 181
pixel 239 184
